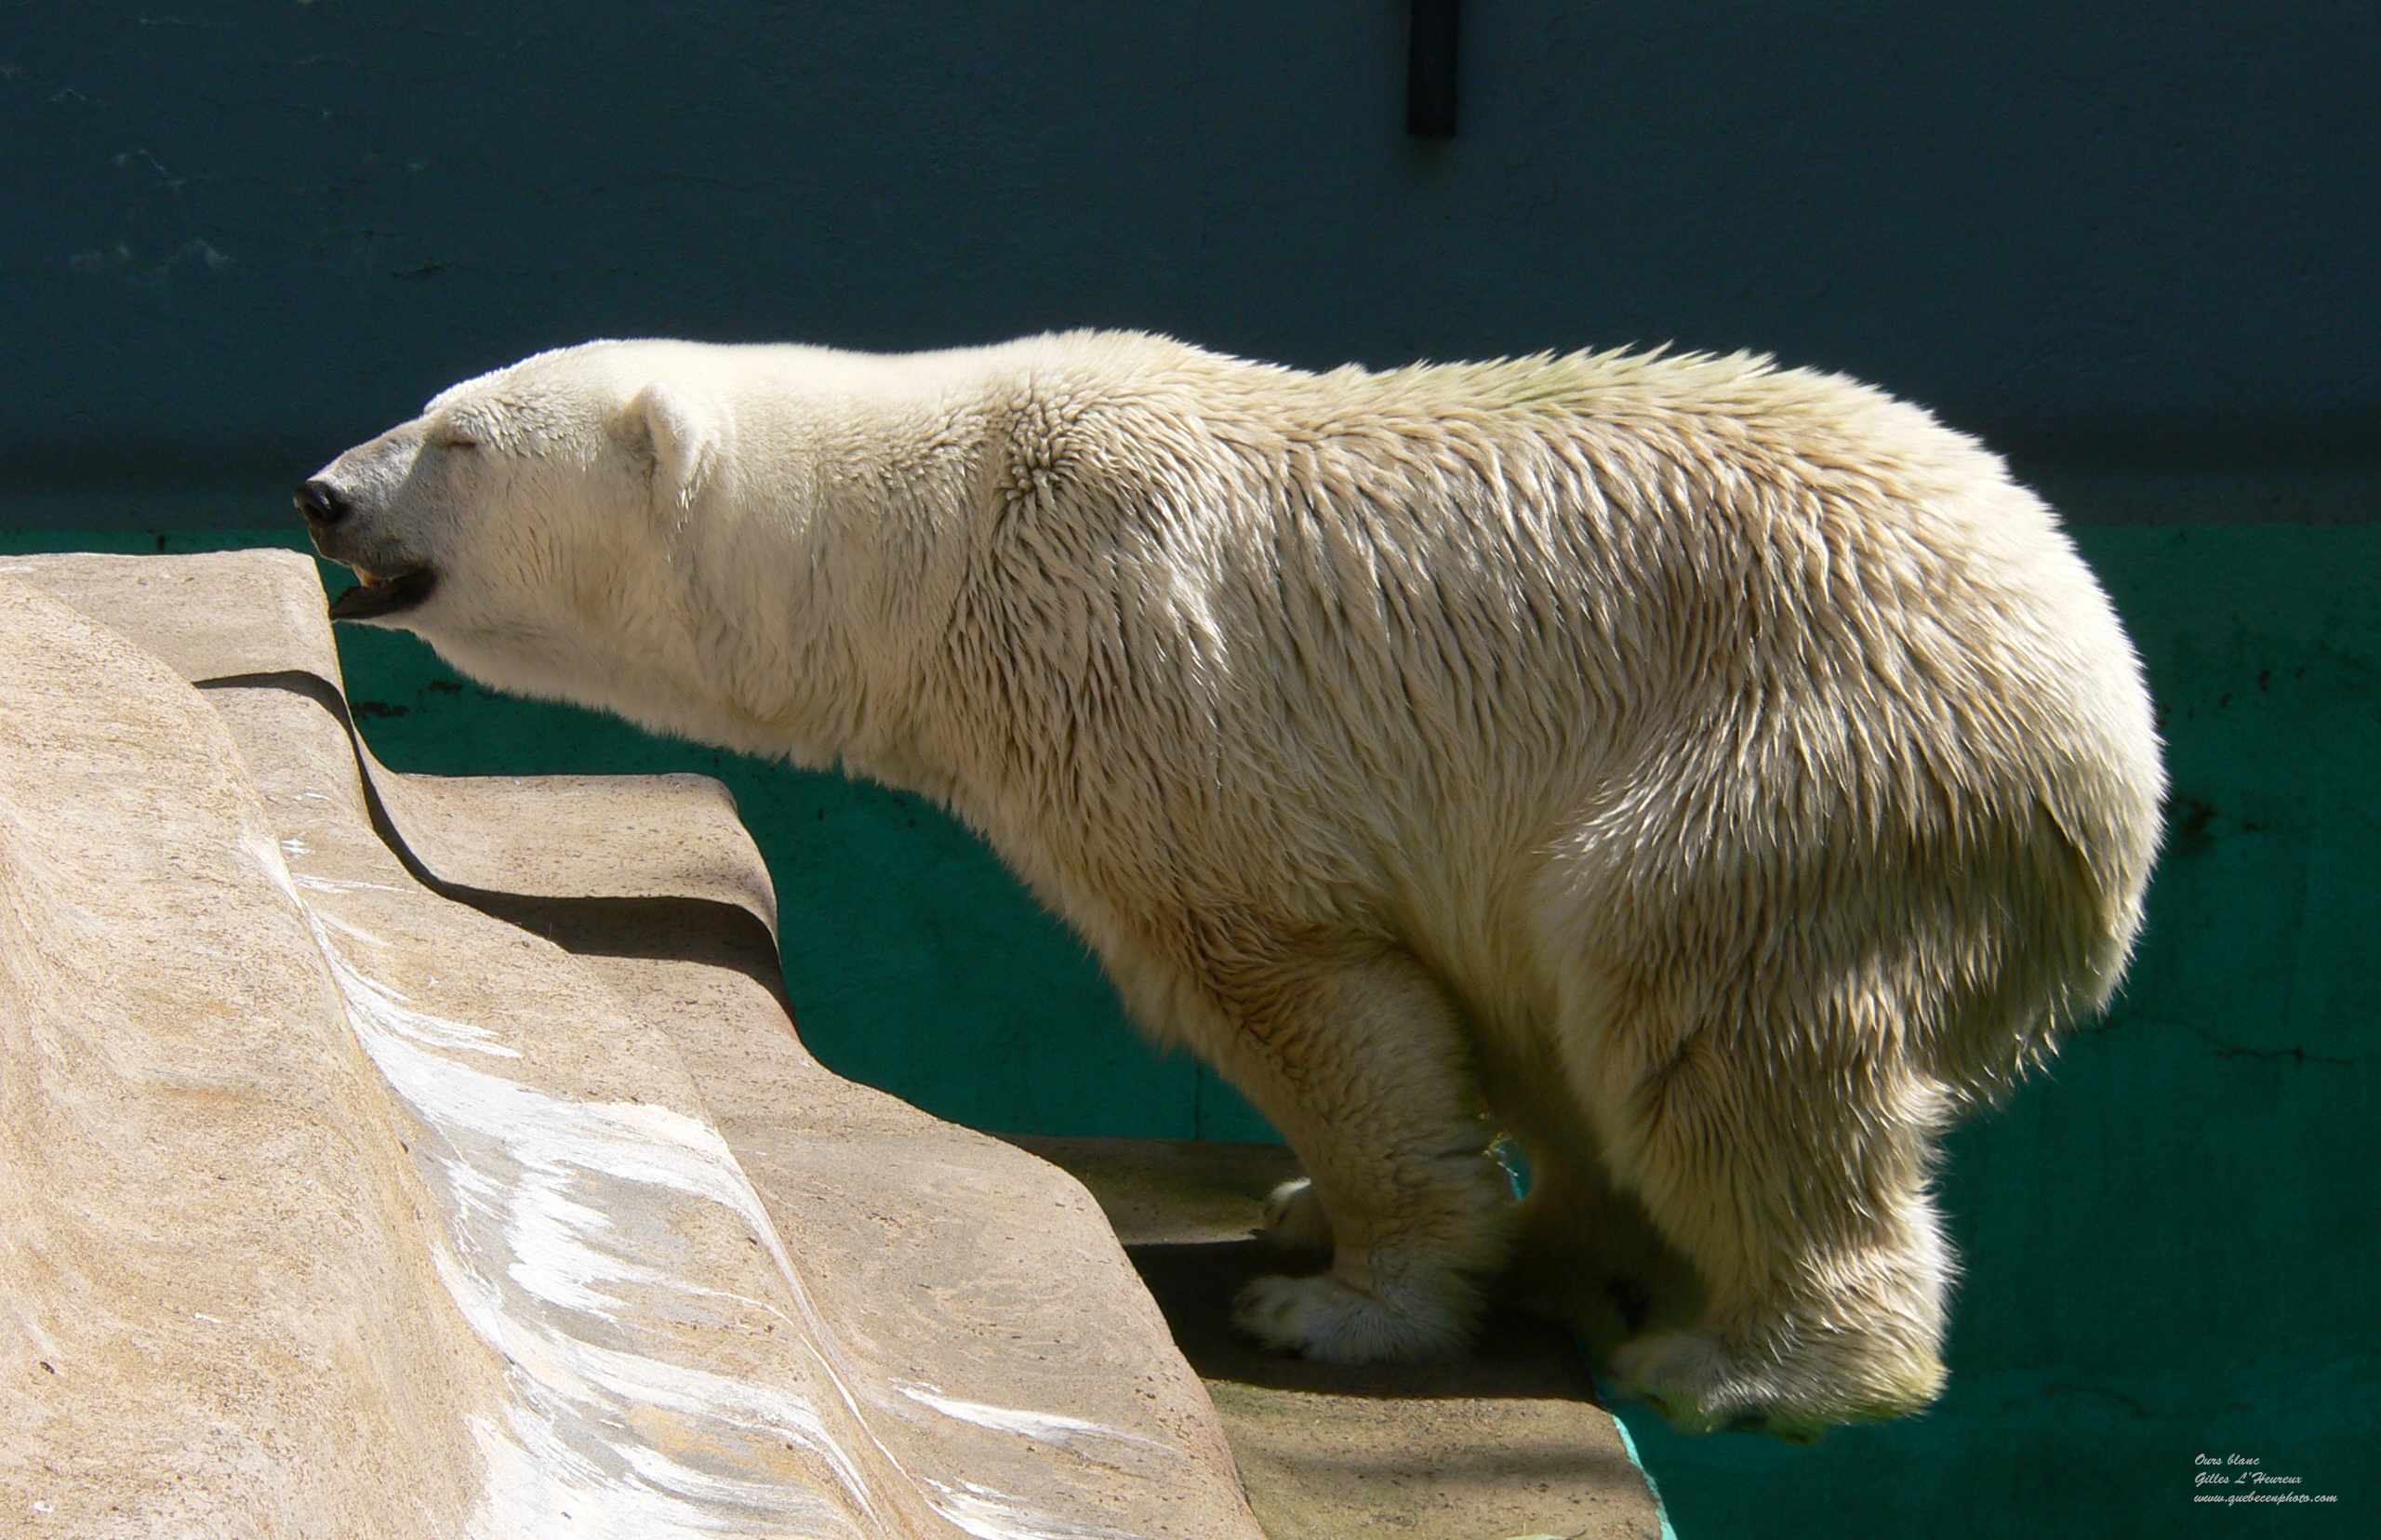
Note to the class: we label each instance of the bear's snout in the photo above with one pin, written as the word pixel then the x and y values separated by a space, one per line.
pixel 323 504
pixel 391 580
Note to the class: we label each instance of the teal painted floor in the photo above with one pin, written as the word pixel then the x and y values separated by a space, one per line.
pixel 2171 1240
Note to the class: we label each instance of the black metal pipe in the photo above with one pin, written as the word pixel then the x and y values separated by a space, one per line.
pixel 1430 69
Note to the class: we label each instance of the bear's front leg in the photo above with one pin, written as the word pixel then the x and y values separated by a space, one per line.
pixel 1357 1056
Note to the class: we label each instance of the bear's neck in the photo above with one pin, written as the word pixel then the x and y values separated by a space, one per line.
pixel 834 552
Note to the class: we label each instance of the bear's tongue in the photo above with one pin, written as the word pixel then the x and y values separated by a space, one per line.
pixel 376 594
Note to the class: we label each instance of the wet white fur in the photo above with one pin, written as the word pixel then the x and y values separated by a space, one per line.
pixel 1715 777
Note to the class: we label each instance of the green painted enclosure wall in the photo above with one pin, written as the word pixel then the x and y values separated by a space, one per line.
pixel 2169 1238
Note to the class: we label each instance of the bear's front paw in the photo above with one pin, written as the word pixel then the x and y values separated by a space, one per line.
pixel 1294 1220
pixel 1327 1319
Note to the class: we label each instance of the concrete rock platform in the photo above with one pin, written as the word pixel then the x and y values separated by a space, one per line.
pixel 398 1155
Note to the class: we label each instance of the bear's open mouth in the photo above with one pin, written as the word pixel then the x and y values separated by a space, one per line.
pixel 375 595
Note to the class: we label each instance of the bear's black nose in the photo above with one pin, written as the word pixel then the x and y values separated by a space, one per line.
pixel 323 504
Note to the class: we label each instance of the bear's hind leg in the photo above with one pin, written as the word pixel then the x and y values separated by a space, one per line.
pixel 1358 1057
pixel 1586 1254
pixel 1795 1180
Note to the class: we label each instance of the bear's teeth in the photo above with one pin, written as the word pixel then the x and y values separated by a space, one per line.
pixel 366 578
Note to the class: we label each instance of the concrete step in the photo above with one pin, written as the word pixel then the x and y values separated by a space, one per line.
pixel 1509 1442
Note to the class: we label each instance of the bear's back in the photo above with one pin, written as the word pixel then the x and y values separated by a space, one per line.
pixel 1643 609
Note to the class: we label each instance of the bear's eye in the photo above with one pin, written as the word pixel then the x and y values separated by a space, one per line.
pixel 458 441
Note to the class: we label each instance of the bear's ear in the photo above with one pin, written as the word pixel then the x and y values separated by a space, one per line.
pixel 676 431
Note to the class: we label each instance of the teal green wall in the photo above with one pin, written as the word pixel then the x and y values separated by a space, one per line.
pixel 2170 1239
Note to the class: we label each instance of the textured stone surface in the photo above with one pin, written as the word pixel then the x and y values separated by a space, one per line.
pixel 352 1187
pixel 220 1307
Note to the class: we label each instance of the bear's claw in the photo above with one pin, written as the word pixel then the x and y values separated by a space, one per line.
pixel 1294 1220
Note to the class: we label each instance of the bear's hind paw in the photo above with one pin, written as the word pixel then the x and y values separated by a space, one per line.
pixel 1699 1387
pixel 1326 1318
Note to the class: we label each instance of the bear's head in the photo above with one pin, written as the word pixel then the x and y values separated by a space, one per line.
pixel 524 527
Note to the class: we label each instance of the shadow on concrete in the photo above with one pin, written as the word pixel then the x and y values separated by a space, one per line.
pixel 1194 1283
pixel 664 927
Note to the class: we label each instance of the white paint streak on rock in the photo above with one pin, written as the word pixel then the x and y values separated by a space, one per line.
pixel 1046 1426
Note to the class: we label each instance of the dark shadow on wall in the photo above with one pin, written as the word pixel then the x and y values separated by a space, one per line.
pixel 249 235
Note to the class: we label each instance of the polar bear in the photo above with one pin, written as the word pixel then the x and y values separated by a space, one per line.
pixel 1715 778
